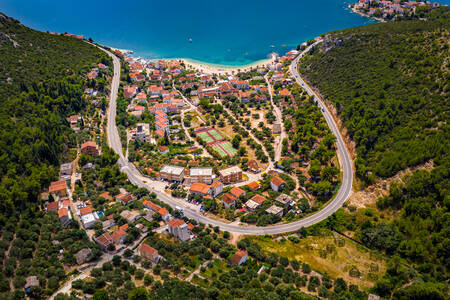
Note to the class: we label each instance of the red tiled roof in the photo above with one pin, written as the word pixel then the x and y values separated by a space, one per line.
pixel 176 223
pixel 229 198
pixel 124 227
pixel 118 234
pixel 52 205
pixel 258 199
pixel 216 184
pixel 63 212
pixel 253 185
pixel 56 186
pixel 238 256
pixel 277 181
pixel 285 92
pixel 104 195
pixel 152 205
pixel 147 249
pixel 199 188
pixel 88 144
pixel 104 239
pixel 237 192
pixel 163 211
pixel 160 132
pixel 85 210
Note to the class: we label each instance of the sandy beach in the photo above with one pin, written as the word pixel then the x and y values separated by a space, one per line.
pixel 221 69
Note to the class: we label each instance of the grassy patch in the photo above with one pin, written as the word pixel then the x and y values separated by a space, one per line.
pixel 327 254
pixel 219 267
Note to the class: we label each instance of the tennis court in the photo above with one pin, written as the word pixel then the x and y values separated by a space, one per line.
pixel 229 148
pixel 220 151
pixel 216 135
pixel 205 137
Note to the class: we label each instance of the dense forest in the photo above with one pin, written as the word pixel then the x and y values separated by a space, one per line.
pixel 42 81
pixel 390 85
pixel 41 84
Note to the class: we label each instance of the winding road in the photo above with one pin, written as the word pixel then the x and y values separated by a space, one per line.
pixel 136 178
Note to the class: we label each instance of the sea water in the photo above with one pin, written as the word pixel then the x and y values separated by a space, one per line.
pixel 233 32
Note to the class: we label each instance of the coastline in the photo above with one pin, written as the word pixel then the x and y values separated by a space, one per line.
pixel 365 15
pixel 208 68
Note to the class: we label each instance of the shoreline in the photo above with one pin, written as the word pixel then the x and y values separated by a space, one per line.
pixel 209 68
pixel 365 15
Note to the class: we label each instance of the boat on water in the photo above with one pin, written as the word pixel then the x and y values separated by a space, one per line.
pixel 190 40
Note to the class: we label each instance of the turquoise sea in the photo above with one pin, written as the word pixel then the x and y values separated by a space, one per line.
pixel 233 32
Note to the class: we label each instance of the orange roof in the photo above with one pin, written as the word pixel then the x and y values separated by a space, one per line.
pixel 285 92
pixel 191 226
pixel 199 187
pixel 176 223
pixel 147 249
pixel 163 211
pixel 63 212
pixel 104 239
pixel 104 195
pixel 216 184
pixel 277 181
pixel 85 210
pixel 152 205
pixel 229 198
pixel 88 144
pixel 118 234
pixel 160 132
pixel 124 227
pixel 238 256
pixel 253 185
pixel 56 186
pixel 237 192
pixel 258 199
pixel 52 206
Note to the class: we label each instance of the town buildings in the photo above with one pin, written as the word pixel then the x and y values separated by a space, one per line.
pixel 149 253
pixel 172 173
pixel 216 188
pixel 275 210
pixel 229 200
pixel 104 240
pixel 204 175
pixel 89 148
pixel 255 202
pixel 179 229
pixel 58 189
pixel 277 184
pixel 231 175
pixel 199 189
pixel 239 257
pixel 143 132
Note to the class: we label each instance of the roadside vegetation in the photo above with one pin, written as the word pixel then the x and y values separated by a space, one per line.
pixel 42 81
pixel 389 84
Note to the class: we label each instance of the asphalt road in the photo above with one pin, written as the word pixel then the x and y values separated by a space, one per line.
pixel 136 178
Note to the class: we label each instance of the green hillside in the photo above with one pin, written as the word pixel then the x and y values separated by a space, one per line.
pixel 41 83
pixel 390 85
